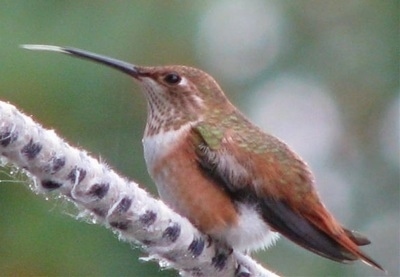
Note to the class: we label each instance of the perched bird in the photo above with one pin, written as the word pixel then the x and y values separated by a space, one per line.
pixel 234 182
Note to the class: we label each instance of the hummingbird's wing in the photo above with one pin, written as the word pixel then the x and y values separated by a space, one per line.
pixel 255 167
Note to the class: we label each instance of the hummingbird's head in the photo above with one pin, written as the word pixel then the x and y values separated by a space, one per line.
pixel 175 94
pixel 180 93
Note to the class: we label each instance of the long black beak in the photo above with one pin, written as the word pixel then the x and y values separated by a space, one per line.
pixel 125 67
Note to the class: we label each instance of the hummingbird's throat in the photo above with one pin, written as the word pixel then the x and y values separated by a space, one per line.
pixel 167 110
pixel 162 119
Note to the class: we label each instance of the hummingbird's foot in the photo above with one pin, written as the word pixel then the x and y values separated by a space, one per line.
pixel 222 253
pixel 219 260
pixel 209 241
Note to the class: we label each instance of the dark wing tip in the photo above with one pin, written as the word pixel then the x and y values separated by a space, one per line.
pixel 301 231
pixel 298 229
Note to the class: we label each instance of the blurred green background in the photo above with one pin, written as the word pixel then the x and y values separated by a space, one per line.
pixel 321 75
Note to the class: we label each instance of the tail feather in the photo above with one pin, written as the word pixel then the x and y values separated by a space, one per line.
pixel 301 231
pixel 343 248
pixel 356 237
pixel 367 260
pixel 349 242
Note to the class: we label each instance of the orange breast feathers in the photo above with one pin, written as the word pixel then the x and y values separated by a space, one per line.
pixel 191 192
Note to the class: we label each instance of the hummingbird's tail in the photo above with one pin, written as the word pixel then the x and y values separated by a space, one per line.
pixel 350 241
pixel 356 237
pixel 311 233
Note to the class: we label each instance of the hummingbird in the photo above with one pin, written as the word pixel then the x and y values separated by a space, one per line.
pixel 234 182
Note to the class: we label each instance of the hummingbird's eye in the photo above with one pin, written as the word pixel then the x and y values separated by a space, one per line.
pixel 172 78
